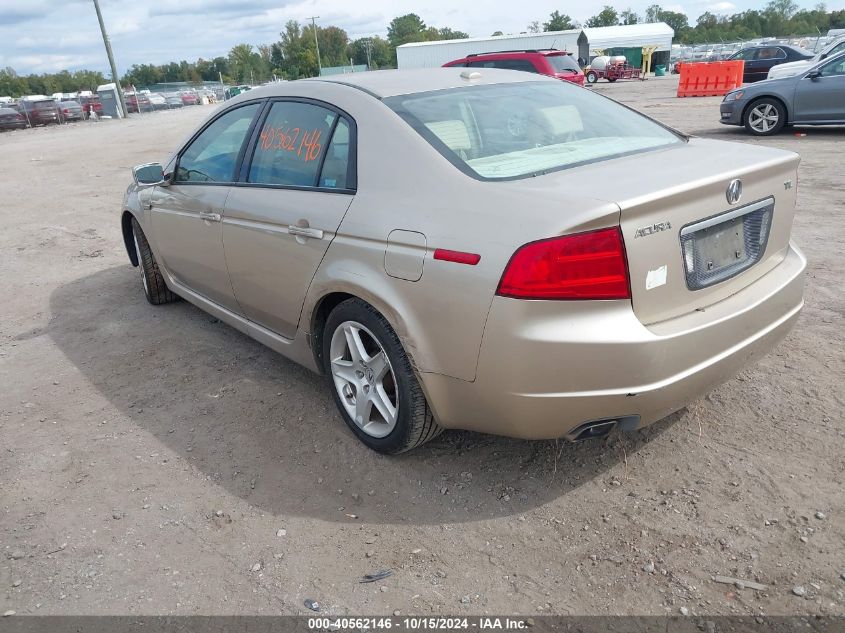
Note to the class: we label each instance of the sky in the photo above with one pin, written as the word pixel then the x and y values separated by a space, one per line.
pixel 38 36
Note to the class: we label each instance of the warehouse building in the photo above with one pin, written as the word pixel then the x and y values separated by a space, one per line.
pixel 585 43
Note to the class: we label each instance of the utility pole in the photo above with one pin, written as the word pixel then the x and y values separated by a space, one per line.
pixel 107 42
pixel 368 45
pixel 317 43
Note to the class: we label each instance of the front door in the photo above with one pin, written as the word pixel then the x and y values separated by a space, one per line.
pixel 186 214
pixel 822 98
pixel 278 224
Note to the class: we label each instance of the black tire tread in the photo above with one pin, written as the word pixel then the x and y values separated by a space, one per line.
pixel 158 293
pixel 423 426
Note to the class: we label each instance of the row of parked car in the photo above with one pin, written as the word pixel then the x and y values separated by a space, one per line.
pixel 149 101
pixel 34 111
pixel 30 112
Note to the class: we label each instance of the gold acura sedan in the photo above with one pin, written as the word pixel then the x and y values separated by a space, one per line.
pixel 494 250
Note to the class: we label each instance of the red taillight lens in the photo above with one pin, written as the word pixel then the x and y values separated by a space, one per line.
pixel 588 265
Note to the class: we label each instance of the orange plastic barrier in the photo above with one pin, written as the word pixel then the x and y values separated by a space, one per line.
pixel 710 79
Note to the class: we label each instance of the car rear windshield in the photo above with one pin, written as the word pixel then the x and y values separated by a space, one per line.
pixel 516 130
pixel 562 63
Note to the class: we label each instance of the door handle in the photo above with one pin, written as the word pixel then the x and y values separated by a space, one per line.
pixel 210 217
pixel 304 231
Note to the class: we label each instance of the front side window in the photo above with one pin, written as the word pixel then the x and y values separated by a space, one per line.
pixel 514 130
pixel 836 67
pixel 748 54
pixel 213 155
pixel 563 63
pixel 292 145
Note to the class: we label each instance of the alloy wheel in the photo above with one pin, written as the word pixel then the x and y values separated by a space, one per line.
pixel 763 117
pixel 364 379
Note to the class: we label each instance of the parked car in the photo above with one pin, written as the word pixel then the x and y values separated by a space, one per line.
pixel 446 246
pixel 553 63
pixel 137 102
pixel 11 119
pixel 793 68
pixel 89 104
pixel 173 101
pixel 71 111
pixel 39 112
pixel 760 59
pixel 813 97
pixel 157 100
pixel 189 98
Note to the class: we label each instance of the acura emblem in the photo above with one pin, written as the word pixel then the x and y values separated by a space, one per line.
pixel 734 192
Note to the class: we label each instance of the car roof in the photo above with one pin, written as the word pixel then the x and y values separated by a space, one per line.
pixel 390 83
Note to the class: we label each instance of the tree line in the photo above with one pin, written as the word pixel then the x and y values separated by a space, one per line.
pixel 294 55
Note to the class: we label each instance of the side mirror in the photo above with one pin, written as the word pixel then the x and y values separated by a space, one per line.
pixel 148 175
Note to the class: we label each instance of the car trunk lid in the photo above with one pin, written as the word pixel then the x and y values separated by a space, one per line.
pixel 687 246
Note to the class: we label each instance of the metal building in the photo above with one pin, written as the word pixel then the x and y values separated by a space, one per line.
pixel 434 54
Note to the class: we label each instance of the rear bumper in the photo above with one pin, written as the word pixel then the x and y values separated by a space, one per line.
pixel 545 367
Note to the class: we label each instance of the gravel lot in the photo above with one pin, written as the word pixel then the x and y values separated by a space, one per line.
pixel 156 461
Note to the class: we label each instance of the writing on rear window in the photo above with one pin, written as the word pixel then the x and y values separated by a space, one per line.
pixel 304 143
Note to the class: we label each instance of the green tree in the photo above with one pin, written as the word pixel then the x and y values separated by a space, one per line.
pixel 678 21
pixel 558 22
pixel 629 17
pixel 497 34
pixel 405 29
pixel 652 13
pixel 785 9
pixel 606 17
pixel 534 27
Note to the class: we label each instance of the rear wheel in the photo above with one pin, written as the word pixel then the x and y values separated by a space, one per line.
pixel 372 380
pixel 155 289
pixel 592 77
pixel 765 117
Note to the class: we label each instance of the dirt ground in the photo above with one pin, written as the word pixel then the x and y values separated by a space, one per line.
pixel 156 461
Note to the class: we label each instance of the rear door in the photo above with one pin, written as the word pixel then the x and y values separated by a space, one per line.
pixel 822 98
pixel 298 180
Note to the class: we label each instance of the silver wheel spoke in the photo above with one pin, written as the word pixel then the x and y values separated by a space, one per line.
pixel 344 369
pixel 378 363
pixel 363 409
pixel 354 343
pixel 382 403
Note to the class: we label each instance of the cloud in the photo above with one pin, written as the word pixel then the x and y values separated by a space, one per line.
pixel 721 7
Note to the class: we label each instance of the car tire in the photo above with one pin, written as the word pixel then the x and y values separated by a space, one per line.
pixel 764 117
pixel 611 79
pixel 155 289
pixel 592 77
pixel 363 355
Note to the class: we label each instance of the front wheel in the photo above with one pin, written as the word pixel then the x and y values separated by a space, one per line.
pixel 592 77
pixel 155 289
pixel 765 117
pixel 372 380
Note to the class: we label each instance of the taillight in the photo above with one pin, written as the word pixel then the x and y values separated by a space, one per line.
pixel 589 265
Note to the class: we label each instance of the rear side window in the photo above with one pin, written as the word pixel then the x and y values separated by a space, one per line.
pixel 211 157
pixel 505 64
pixel 301 145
